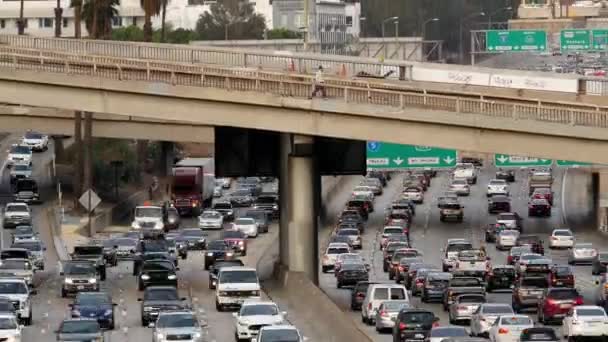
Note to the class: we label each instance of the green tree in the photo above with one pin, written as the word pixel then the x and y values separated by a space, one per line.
pixel 151 8
pixel 130 34
pixel 231 19
pixel 282 33
pixel 77 6
pixel 104 13
pixel 163 20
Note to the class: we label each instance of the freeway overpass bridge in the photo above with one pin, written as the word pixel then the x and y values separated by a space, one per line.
pixel 254 99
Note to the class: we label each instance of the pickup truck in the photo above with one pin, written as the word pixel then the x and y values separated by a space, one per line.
pixel 472 260
pixel 92 253
pixel 462 285
pixel 466 171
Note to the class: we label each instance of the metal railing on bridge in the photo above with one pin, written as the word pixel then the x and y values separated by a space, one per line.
pixel 281 84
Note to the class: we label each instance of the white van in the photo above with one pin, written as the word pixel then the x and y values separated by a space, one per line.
pixel 376 294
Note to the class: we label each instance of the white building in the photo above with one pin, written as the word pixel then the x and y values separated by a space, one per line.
pixel 40 17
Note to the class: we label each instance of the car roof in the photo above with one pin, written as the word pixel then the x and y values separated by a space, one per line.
pixel 338 245
pixel 458 241
pixel 279 327
pixel 258 302
pixel 237 268
pixel 12 280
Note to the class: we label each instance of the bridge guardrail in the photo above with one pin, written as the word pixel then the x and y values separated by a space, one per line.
pixel 258 81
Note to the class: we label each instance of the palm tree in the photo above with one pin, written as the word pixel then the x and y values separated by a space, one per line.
pixel 21 21
pixel 77 6
pixel 163 20
pixel 151 8
pixel 99 21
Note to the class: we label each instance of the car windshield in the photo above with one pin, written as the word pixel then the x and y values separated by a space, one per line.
pixel 471 255
pixel 217 245
pixel 20 149
pixel 124 242
pixel 149 212
pixel 16 208
pixel 562 233
pixel 390 231
pixel 266 199
pixel 583 246
pixel 497 309
pixel 13 288
pixel 539 335
pixel 33 135
pixel 21 167
pixel 30 246
pixel 457 247
pixel 88 250
pixel 8 323
pixel 161 294
pixel 233 234
pixel 259 309
pixel 509 232
pixel 519 250
pixel 337 250
pixel 418 317
pixel 540 201
pixel 532 257
pixel 471 299
pixel 80 327
pixel 222 206
pixel 516 320
pixel 449 332
pixel 79 268
pixel 192 232
pixel 395 305
pixel 391 247
pixel 243 192
pixel 348 232
pixel 464 282
pixel 497 182
pixel 280 335
pixel 238 276
pixel 459 182
pixel 563 294
pixel 506 217
pixel 590 312
pixel 353 267
pixel 186 320
pixel 503 271
pixel 157 265
pixel 92 299
pixel 211 215
pixel 15 265
pixel 535 282
pixel 451 206
pixel 562 270
pixel 244 220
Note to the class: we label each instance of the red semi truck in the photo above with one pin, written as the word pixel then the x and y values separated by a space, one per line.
pixel 192 185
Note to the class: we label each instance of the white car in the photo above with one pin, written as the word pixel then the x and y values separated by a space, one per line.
pixel 460 186
pixel 585 321
pixel 507 239
pixel 246 225
pixel 466 171
pixel 273 333
pixel 224 182
pixel 485 316
pixel 497 187
pixel 472 260
pixel 331 254
pixel 235 286
pixel 211 219
pixel 171 325
pixel 36 141
pixel 19 154
pixel 508 328
pixel 10 330
pixel 21 171
pixel 16 214
pixel 148 217
pixel 561 238
pixel 254 315
pixel 363 190
pixel 438 334
pixel 413 194
pixel 218 191
pixel 582 252
pixel 17 291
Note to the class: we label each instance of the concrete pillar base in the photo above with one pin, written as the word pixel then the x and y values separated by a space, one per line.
pixel 602 202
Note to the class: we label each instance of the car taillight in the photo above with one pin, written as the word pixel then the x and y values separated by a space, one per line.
pixel 461 307
pixel 503 331
pixel 383 313
pixel 325 257
pixel 402 326
pixel 419 281
pixel 435 325
pixel 241 242
pixel 510 259
pixel 551 302
pixel 360 295
pixel 401 268
pixel 554 238
pixel 369 306
pixel 579 301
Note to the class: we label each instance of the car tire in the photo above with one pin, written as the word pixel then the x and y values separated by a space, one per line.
pixel 112 326
pixel 206 267
pixel 244 253
pixel 28 320
pixel 391 276
pixel 144 323
pixel 63 293
pixel 219 307
pixel 324 269
pixel 140 286
pixel 384 267
pixel 441 219
pixel 102 274
pixel 339 285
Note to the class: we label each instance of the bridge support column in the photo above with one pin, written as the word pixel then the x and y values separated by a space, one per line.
pixel 284 205
pixel 167 154
pixel 304 188
pixel 602 201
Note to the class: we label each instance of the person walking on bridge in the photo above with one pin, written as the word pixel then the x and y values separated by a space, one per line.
pixel 319 84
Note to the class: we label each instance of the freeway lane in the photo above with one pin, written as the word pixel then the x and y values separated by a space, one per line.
pixel 429 234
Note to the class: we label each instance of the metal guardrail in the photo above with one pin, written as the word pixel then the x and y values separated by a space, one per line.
pixel 265 82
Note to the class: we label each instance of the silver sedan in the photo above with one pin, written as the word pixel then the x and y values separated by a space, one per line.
pixel 464 306
pixel 387 312
pixel 582 252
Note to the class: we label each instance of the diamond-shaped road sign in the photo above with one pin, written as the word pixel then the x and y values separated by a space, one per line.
pixel 89 200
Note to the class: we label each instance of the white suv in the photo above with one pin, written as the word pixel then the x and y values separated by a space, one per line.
pixel 16 214
pixel 254 315
pixel 497 187
pixel 17 291
pixel 36 141
pixel 235 285
pixel 19 154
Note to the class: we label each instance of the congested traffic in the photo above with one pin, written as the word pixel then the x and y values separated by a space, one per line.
pixel 485 274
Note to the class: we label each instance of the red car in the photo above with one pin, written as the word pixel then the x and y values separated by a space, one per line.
pixel 545 193
pixel 556 302
pixel 539 207
pixel 237 240
pixel 397 214
pixel 561 276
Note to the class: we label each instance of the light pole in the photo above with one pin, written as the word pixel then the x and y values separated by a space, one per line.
pixel 361 23
pixel 423 30
pixel 396 28
pixel 509 8
pixel 387 20
pixel 462 20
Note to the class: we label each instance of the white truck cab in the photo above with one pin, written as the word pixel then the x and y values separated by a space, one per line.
pixel 235 285
pixel 148 217
pixel 466 171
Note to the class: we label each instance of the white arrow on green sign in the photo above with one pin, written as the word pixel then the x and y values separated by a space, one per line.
pixel 387 156
pixel 568 163
pixel 505 160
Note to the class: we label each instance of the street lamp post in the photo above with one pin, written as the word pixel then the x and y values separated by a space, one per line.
pixel 385 21
pixel 361 27
pixel 423 30
pixel 509 8
pixel 397 28
pixel 461 45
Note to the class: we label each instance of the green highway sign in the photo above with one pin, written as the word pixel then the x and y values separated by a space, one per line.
pixel 599 39
pixel 386 156
pixel 516 40
pixel 505 160
pixel 575 40
pixel 568 163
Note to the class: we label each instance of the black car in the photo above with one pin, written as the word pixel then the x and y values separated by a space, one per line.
pixel 195 238
pixel 472 160
pixel 224 208
pixel 268 203
pixel 110 252
pixel 539 207
pixel 173 219
pixel 214 270
pixel 241 198
pixel 540 334
pixel 499 204
pixel 434 285
pixel 261 217
pixel 378 175
pixel 500 277
pixel 493 231
pixel 217 249
pixel 177 246
pixel 357 295
pixel 159 299
pixel 96 305
pixel 413 324
pixel 507 175
pixel 534 241
pixel 94 253
pixel 157 272
pixel 599 264
pixel 351 274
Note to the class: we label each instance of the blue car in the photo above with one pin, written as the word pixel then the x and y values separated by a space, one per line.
pixel 94 305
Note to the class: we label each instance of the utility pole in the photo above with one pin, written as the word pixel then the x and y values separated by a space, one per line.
pixel 21 21
pixel 306 25
pixel 78 158
pixel 58 19
pixel 88 151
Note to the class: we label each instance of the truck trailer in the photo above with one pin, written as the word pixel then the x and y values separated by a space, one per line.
pixel 192 185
